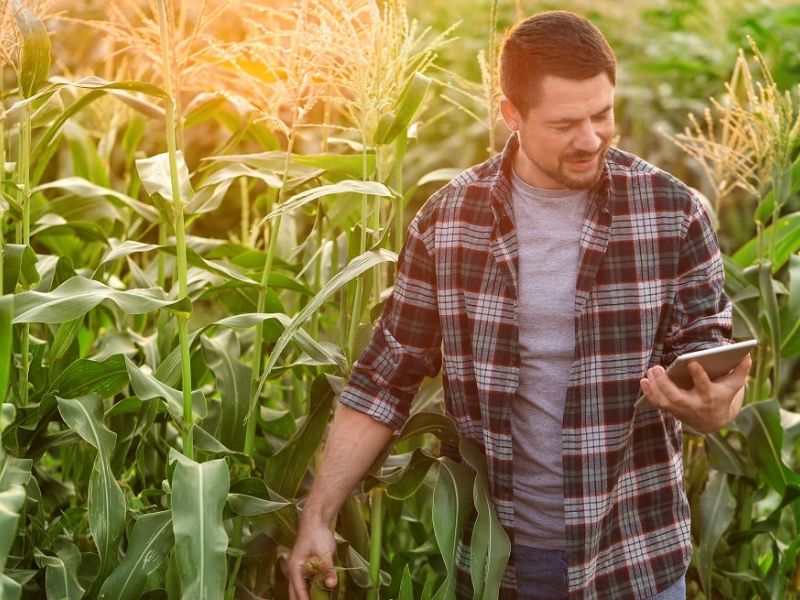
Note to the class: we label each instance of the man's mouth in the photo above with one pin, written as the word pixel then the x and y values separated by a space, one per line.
pixel 581 162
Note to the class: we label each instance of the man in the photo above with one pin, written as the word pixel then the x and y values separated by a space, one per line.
pixel 551 284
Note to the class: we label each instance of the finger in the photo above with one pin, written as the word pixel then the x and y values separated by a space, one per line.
pixel 738 376
pixel 663 393
pixel 701 380
pixel 298 588
pixel 743 368
pixel 652 391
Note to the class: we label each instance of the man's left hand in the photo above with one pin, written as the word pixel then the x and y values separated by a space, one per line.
pixel 708 405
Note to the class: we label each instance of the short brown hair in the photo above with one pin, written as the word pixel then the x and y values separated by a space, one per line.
pixel 558 43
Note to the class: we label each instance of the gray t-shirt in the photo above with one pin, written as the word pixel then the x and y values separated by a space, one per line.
pixel 549 225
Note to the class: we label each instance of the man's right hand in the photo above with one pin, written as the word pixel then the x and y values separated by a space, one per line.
pixel 314 542
pixel 354 442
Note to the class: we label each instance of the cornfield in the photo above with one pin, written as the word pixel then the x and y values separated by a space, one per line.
pixel 202 204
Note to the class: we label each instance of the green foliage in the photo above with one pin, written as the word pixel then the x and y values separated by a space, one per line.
pixel 6 314
pixel 35 54
pixel 199 492
pixel 106 502
pixel 150 543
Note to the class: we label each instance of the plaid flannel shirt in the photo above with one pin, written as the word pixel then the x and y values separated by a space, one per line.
pixel 649 287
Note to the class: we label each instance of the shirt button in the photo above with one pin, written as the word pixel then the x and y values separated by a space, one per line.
pixel 514 361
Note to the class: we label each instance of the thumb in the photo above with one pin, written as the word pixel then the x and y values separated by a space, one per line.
pixel 330 575
pixel 331 580
pixel 737 377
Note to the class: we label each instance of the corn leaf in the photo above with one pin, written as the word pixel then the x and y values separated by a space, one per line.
pixel 436 423
pixel 372 188
pixel 204 106
pixel 233 380
pixel 119 88
pixel 61 571
pixel 427 590
pixel 350 165
pixel 490 547
pixel 351 523
pixel 279 524
pixel 82 188
pixel 354 268
pixel 148 387
pixel 207 199
pixel 86 376
pixel 47 143
pixel 228 271
pixel 6 342
pixel 77 209
pixel 206 442
pixel 84 415
pixel 155 176
pixel 438 176
pixel 35 52
pixel 14 473
pixel 12 500
pixel 66 334
pixel 199 492
pixel 19 266
pixel 717 507
pixel 790 314
pixel 761 422
pixel 406 591
pixel 55 225
pixel 767 203
pixel 407 105
pixel 318 351
pixel 287 468
pixel 126 248
pixel 169 369
pixel 769 307
pixel 359 570
pixel 253 506
pixel 405 474
pixel 78 295
pixel 722 456
pixel 150 542
pixel 787 242
pixel 452 504
pixel 233 171
pixel 347 164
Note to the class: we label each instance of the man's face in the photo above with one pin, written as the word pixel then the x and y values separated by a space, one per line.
pixel 565 136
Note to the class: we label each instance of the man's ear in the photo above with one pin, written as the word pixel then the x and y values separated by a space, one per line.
pixel 510 114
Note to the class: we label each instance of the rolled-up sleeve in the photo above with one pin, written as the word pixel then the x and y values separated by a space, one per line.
pixel 406 342
pixel 702 313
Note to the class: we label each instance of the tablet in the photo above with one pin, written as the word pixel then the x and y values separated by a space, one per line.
pixel 717 361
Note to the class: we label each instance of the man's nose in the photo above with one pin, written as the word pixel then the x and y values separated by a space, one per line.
pixel 587 138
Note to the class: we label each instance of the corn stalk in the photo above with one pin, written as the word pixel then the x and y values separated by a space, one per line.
pixel 180 237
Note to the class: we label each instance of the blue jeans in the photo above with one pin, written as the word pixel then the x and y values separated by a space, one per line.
pixel 542 575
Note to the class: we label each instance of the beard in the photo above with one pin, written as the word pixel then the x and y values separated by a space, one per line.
pixel 576 182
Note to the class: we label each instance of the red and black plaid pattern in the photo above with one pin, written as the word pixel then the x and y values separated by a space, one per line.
pixel 649 287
